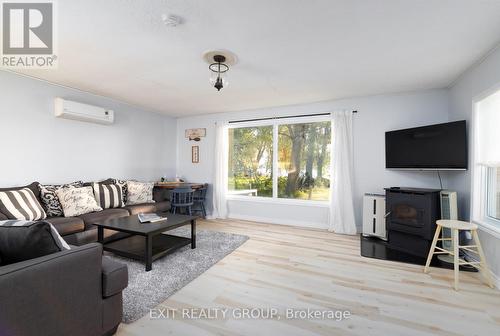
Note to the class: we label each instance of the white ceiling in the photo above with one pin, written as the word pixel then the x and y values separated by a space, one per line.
pixel 290 51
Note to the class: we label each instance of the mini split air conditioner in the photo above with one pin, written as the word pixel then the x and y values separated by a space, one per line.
pixel 68 109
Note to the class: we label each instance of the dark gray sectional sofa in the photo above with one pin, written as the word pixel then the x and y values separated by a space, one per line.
pixel 80 230
pixel 75 292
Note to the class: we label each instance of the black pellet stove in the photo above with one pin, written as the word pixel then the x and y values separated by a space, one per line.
pixel 411 215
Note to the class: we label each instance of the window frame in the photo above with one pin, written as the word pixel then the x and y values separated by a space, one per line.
pixel 276 123
pixel 480 178
pixel 491 188
pixel 482 199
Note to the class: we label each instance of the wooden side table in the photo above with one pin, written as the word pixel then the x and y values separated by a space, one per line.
pixel 456 226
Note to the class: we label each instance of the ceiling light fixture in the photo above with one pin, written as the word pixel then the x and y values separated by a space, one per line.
pixel 218 72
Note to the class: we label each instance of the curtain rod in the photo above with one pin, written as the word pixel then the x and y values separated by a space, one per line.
pixel 284 117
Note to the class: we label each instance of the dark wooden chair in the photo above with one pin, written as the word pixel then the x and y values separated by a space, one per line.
pixel 182 198
pixel 199 200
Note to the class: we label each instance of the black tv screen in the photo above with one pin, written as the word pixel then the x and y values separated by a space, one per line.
pixel 440 146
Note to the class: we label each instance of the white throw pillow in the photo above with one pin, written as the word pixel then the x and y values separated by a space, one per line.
pixel 77 201
pixel 139 192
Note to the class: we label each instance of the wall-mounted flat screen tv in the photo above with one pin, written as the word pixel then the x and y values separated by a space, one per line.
pixel 440 146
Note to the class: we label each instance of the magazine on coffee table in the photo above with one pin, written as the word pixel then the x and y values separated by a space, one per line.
pixel 150 218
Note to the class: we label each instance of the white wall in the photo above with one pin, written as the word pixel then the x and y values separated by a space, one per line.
pixel 37 146
pixel 376 115
pixel 472 84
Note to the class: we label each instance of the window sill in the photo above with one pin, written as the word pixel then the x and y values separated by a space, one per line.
pixel 489 226
pixel 281 201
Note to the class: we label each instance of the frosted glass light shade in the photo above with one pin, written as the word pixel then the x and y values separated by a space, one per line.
pixel 213 78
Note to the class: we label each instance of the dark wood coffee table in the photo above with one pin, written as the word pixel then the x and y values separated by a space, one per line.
pixel 147 241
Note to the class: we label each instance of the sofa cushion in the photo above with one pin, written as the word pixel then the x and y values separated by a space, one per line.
pixel 139 192
pixel 67 225
pixel 90 236
pixel 163 206
pixel 148 207
pixel 21 204
pixel 114 277
pixel 33 187
pixel 49 199
pixel 77 201
pixel 108 195
pixel 123 185
pixel 141 208
pixel 23 240
pixel 100 216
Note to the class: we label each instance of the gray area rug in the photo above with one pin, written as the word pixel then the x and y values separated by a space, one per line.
pixel 174 271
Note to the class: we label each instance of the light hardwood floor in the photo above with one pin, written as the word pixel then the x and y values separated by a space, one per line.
pixel 285 267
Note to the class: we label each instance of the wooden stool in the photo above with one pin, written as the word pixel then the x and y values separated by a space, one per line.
pixel 455 226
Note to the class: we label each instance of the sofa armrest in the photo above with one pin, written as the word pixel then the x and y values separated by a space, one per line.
pixel 114 277
pixel 57 293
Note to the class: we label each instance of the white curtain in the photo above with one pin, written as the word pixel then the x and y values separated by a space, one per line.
pixel 341 193
pixel 220 170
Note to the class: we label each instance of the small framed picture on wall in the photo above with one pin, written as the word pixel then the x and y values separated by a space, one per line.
pixel 195 154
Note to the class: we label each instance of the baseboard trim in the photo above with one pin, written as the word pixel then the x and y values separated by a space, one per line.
pixel 279 221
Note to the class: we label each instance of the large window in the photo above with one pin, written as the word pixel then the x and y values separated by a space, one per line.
pixel 284 160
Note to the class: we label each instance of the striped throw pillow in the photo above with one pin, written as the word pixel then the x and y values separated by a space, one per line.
pixel 21 204
pixel 108 195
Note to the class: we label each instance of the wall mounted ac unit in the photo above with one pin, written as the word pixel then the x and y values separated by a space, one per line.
pixel 68 109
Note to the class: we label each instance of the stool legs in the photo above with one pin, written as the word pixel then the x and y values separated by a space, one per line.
pixel 484 266
pixel 456 226
pixel 433 247
pixel 456 266
pixel 456 246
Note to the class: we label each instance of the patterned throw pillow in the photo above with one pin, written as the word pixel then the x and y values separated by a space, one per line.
pixel 123 185
pixel 139 192
pixel 108 195
pixel 77 201
pixel 21 204
pixel 49 198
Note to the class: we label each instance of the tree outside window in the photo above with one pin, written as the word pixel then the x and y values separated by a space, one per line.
pixel 302 163
pixel 251 161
